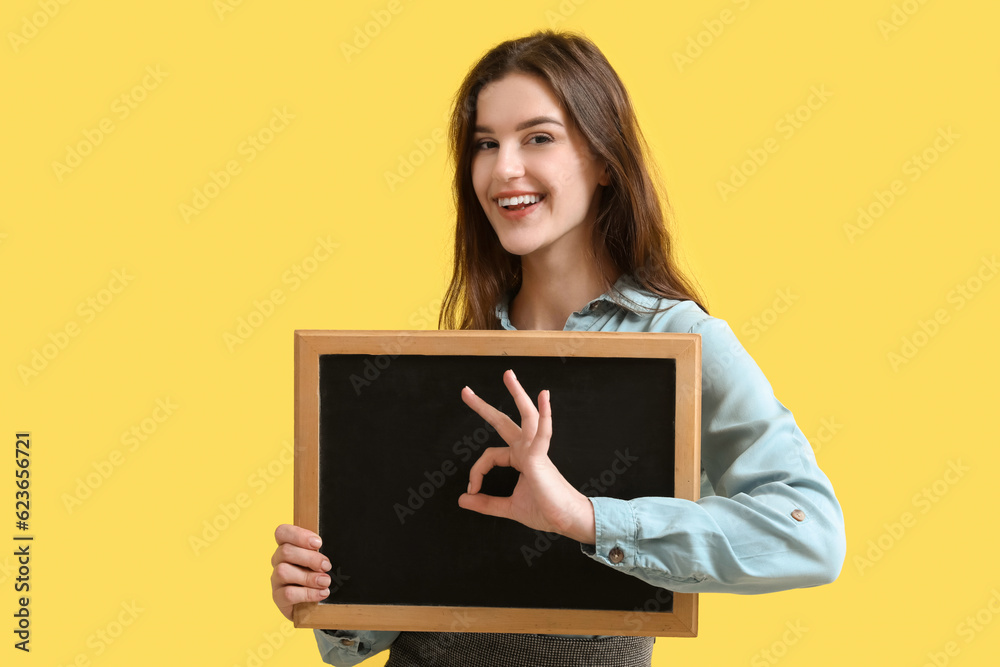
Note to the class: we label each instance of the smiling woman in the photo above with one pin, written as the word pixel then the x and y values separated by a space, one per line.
pixel 534 175
pixel 547 115
pixel 560 226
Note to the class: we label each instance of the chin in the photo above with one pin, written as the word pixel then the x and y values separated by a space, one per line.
pixel 518 250
pixel 513 245
pixel 519 247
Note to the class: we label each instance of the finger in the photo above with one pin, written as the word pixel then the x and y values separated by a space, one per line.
pixel 492 457
pixel 529 415
pixel 544 433
pixel 287 574
pixel 297 535
pixel 289 553
pixel 501 423
pixel 287 597
pixel 484 504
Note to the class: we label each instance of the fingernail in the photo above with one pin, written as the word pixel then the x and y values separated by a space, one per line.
pixel 468 489
pixel 470 390
pixel 323 580
pixel 315 542
pixel 512 374
pixel 325 592
pixel 325 565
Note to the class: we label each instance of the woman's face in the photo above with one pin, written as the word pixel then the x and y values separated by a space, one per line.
pixel 525 144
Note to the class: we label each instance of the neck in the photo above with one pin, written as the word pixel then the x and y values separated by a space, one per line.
pixel 551 292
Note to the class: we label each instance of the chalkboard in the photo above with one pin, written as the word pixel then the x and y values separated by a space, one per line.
pixel 384 444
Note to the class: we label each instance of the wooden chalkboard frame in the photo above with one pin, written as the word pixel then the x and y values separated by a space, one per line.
pixel 685 349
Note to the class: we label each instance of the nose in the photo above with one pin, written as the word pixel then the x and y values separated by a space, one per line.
pixel 508 164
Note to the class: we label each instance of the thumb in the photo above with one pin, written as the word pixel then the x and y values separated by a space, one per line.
pixel 484 504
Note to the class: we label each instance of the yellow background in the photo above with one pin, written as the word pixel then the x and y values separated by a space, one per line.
pixel 895 428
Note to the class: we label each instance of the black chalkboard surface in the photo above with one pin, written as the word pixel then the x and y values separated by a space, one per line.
pixel 385 444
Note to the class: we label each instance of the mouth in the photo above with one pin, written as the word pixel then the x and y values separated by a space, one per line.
pixel 521 203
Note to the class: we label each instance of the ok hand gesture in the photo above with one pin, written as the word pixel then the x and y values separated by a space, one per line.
pixel 542 498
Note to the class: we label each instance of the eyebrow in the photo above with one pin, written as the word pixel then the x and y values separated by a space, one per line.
pixel 538 120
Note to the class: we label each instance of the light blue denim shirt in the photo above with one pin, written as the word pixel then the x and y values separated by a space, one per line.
pixel 767 519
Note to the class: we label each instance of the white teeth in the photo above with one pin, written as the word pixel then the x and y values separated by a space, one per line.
pixel 522 199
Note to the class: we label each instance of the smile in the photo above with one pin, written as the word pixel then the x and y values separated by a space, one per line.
pixel 519 203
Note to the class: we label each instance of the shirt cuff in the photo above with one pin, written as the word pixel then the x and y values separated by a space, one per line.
pixel 349 647
pixel 616 528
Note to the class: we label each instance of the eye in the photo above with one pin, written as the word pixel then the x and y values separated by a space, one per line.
pixel 487 144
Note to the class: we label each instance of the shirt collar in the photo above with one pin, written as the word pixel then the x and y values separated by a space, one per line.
pixel 634 299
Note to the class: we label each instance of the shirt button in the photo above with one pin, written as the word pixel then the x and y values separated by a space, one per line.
pixel 616 555
pixel 798 515
pixel 347 642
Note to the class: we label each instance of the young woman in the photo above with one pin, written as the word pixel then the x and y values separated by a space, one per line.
pixel 561 227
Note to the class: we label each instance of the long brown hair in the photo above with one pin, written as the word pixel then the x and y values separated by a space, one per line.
pixel 630 224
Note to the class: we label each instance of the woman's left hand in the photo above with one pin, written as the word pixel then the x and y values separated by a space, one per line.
pixel 542 498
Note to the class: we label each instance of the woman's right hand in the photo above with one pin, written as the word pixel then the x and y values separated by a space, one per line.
pixel 299 573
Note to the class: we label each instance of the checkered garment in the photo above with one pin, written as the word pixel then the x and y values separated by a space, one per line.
pixel 468 649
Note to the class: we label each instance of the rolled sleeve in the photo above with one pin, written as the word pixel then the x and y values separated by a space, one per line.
pixel 770 521
pixel 345 648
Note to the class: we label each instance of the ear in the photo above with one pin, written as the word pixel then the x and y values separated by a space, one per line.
pixel 605 177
